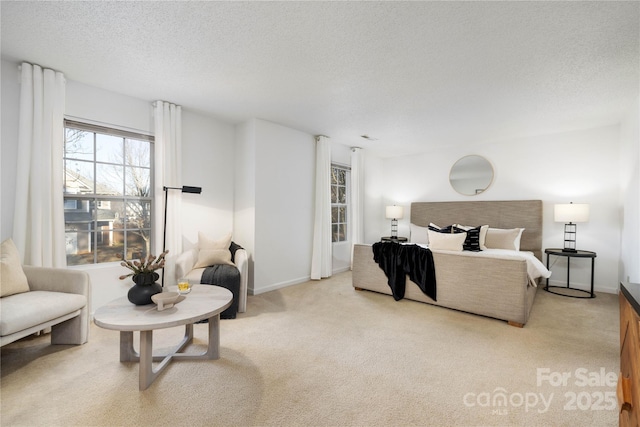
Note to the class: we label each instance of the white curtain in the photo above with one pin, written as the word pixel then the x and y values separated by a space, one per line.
pixel 321 252
pixel 38 221
pixel 168 172
pixel 357 198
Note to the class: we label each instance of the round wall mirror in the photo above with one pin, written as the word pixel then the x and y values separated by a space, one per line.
pixel 471 175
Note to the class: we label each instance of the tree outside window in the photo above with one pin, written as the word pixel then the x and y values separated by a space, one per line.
pixel 339 203
pixel 107 194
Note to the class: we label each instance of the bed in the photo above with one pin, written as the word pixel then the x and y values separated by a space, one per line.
pixel 497 285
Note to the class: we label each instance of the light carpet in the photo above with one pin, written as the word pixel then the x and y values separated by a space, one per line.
pixel 323 354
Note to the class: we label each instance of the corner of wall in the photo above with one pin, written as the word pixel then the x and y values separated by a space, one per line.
pixel 244 198
pixel 629 269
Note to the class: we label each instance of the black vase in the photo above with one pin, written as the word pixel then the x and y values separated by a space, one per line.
pixel 145 286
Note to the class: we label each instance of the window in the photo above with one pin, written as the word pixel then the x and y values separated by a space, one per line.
pixel 339 203
pixel 107 194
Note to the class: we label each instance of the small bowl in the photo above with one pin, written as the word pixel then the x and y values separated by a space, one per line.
pixel 166 300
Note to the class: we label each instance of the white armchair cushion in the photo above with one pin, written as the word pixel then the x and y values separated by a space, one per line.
pixel 59 298
pixel 20 312
pixel 12 278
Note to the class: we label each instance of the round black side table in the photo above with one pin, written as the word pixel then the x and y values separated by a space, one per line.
pixel 569 255
pixel 394 239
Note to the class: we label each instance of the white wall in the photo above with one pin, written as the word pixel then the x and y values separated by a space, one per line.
pixel 284 183
pixel 375 224
pixel 207 162
pixel 630 194
pixel 580 166
pixel 274 199
pixel 89 103
pixel 273 212
pixel 244 220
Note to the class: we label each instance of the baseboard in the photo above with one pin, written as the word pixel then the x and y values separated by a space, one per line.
pixel 280 285
pixel 290 283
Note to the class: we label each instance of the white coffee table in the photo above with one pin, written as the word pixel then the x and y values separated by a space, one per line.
pixel 203 302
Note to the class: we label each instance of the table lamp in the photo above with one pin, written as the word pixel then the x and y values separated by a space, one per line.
pixel 569 214
pixel 394 213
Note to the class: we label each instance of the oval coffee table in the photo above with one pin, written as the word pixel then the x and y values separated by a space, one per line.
pixel 203 302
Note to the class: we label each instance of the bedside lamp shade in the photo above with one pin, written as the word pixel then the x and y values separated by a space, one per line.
pixel 394 213
pixel 578 212
pixel 569 214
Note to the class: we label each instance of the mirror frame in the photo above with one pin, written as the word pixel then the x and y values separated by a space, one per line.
pixel 480 180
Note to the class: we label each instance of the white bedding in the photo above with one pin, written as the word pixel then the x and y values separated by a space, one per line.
pixel 535 268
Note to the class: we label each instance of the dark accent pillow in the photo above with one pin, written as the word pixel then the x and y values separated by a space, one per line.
pixel 450 229
pixel 233 248
pixel 472 241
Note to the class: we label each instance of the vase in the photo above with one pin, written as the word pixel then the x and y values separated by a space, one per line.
pixel 145 286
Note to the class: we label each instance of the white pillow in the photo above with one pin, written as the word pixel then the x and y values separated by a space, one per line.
pixel 205 242
pixel 446 241
pixel 12 277
pixel 419 234
pixel 209 257
pixel 500 238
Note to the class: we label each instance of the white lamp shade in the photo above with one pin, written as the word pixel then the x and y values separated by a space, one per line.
pixel 394 212
pixel 571 212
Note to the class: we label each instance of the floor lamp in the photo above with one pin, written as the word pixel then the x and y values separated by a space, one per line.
pixel 184 189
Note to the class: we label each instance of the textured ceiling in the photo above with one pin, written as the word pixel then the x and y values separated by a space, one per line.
pixel 414 75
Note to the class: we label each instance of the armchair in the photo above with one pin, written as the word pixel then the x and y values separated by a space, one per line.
pixel 58 298
pixel 186 261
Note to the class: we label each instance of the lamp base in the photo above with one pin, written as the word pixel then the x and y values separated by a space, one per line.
pixel 394 228
pixel 570 231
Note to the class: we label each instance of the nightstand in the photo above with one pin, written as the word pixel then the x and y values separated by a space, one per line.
pixel 569 255
pixel 394 239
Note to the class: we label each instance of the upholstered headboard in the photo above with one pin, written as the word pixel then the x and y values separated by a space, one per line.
pixel 525 214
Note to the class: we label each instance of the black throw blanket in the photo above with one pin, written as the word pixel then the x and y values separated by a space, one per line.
pixel 226 276
pixel 398 260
